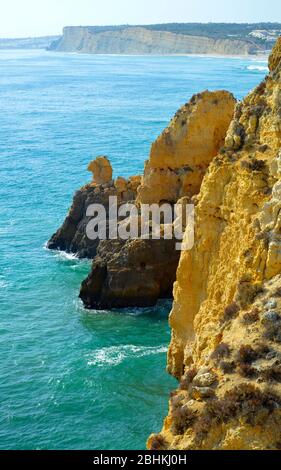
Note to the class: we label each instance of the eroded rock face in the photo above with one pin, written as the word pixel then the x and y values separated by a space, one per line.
pixel 101 169
pixel 139 272
pixel 142 40
pixel 226 312
pixel 275 56
pixel 133 273
pixel 181 155
pixel 71 236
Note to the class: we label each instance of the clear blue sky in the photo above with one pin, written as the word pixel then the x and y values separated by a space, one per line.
pixel 22 18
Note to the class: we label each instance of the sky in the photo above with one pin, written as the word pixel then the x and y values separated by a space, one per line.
pixel 28 18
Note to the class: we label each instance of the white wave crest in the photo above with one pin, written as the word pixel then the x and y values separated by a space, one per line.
pixel 66 256
pixel 3 284
pixel 61 254
pixel 260 68
pixel 114 355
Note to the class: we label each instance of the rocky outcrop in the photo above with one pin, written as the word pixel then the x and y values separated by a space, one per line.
pixel 102 170
pixel 139 272
pixel 71 236
pixel 142 40
pixel 134 273
pixel 181 155
pixel 275 56
pixel 226 317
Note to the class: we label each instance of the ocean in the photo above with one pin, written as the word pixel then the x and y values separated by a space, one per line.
pixel 70 378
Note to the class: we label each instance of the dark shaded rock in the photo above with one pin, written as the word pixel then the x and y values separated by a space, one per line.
pixel 71 236
pixel 133 273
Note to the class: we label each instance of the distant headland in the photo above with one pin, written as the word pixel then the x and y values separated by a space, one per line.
pixel 173 38
pixel 169 38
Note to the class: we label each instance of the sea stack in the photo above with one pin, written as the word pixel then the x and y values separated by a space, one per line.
pixel 138 272
pixel 71 236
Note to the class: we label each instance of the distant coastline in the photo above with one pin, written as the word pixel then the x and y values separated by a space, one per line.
pixel 216 39
pixel 43 42
pixel 201 39
pixel 255 58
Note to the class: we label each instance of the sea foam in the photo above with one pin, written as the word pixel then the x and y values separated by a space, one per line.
pixel 114 355
pixel 259 68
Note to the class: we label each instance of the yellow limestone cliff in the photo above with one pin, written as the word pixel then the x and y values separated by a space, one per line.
pixel 226 317
pixel 181 155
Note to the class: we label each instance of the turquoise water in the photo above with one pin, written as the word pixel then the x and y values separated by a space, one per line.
pixel 71 379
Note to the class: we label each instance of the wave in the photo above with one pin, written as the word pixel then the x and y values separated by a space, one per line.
pixel 66 256
pixel 3 284
pixel 62 254
pixel 260 68
pixel 114 355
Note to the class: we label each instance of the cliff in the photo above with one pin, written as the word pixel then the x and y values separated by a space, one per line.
pixel 180 156
pixel 124 273
pixel 149 40
pixel 226 317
